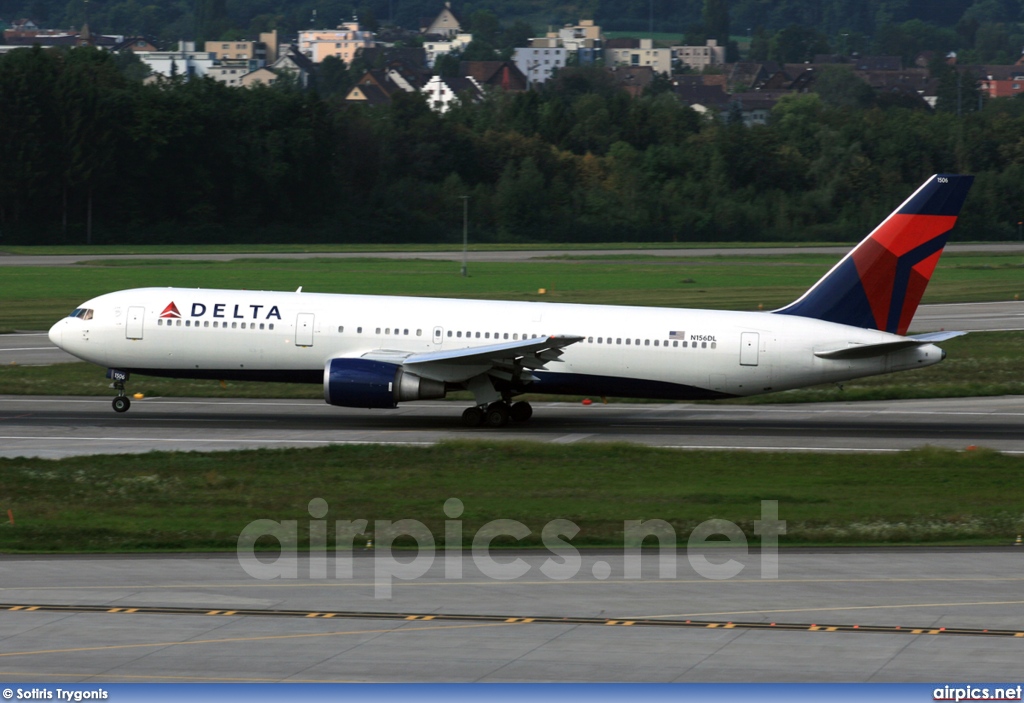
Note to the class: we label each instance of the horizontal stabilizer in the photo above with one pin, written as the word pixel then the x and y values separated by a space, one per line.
pixel 866 351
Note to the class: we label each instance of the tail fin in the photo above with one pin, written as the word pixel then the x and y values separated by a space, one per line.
pixel 879 284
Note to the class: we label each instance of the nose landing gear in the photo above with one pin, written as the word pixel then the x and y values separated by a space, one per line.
pixel 122 402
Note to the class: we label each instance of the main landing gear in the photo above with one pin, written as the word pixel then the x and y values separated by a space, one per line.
pixel 497 414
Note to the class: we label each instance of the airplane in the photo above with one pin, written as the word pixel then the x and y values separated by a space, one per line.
pixel 378 351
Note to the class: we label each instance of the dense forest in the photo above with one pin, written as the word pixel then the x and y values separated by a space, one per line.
pixel 90 155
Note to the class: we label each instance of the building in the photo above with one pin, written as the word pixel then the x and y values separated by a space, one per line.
pixel 27 33
pixel 638 53
pixel 237 50
pixel 445 25
pixel 699 57
pixel 633 79
pixel 539 60
pixel 343 43
pixel 442 93
pixel 496 74
pixel 228 74
pixel 586 34
pixel 185 61
pixel 455 43
pixel 290 60
pixel 1002 81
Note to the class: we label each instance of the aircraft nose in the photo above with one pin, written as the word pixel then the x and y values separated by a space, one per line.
pixel 55 333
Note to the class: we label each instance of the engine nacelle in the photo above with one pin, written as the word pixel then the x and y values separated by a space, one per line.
pixel 364 383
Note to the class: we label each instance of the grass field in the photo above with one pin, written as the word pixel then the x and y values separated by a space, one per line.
pixel 193 501
pixel 35 297
pixel 154 249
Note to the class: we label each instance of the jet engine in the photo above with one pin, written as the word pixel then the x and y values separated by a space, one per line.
pixel 364 383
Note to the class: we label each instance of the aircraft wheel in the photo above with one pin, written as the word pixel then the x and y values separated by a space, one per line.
pixel 521 411
pixel 121 404
pixel 497 415
pixel 472 417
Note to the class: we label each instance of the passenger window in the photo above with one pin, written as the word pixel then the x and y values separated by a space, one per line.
pixel 341 329
pixel 676 344
pixel 506 335
pixel 271 325
pixel 359 330
pixel 243 325
pixel 387 330
pixel 703 345
pixel 515 336
pixel 378 331
pixel 159 321
pixel 487 335
pixel 405 332
pixel 647 342
pixel 449 333
pixel 459 335
pixel 628 341
pixel 478 335
pixel 618 340
pixel 178 324
pixel 590 340
pixel 419 333
pixel 261 325
pixel 234 325
pixel 714 345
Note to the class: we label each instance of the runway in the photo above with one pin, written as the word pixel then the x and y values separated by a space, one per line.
pixel 55 427
pixel 488 255
pixel 839 615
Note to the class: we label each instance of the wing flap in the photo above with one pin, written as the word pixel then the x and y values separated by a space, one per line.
pixel 508 361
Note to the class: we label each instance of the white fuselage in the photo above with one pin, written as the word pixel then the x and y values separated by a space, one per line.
pixel 626 351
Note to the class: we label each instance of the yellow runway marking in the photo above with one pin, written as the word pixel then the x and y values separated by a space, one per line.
pixel 828 607
pixel 267 638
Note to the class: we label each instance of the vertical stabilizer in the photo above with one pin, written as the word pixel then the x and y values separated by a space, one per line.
pixel 879 284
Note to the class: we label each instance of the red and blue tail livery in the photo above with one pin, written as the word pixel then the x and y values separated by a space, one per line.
pixel 879 284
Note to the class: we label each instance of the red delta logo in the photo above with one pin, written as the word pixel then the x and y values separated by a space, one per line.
pixel 171 311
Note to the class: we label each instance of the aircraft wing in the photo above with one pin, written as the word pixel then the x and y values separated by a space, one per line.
pixel 509 361
pixel 865 351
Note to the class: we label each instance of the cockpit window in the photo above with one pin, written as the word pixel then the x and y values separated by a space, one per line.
pixel 82 313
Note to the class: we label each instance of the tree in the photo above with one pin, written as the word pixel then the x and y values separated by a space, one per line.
pixel 838 86
pixel 333 77
pixel 716 20
pixel 796 44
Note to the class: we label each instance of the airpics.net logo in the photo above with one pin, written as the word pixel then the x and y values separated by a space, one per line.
pixel 565 561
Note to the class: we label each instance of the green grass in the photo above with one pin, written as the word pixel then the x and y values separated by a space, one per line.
pixel 982 363
pixel 201 501
pixel 155 249
pixel 35 297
